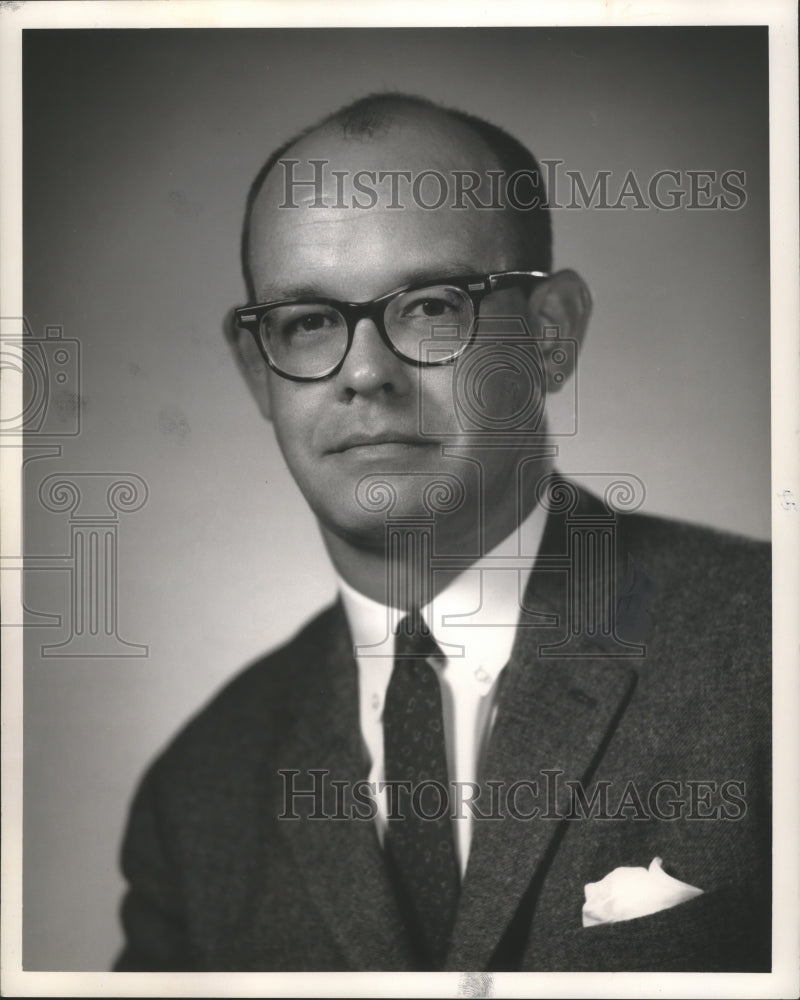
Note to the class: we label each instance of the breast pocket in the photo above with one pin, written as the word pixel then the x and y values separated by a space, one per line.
pixel 722 931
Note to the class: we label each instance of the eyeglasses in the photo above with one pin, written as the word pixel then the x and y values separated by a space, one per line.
pixel 426 323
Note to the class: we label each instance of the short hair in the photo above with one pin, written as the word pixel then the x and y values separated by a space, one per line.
pixel 375 114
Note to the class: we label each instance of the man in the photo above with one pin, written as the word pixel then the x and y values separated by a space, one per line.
pixel 533 731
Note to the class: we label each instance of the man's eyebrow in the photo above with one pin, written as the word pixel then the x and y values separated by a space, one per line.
pixel 294 292
pixel 452 268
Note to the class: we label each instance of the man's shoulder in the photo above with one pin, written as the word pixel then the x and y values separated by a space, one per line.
pixel 255 708
pixel 706 564
pixel 665 541
pixel 691 562
pixel 689 533
pixel 706 595
pixel 698 595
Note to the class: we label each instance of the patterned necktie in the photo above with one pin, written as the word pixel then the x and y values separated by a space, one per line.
pixel 419 829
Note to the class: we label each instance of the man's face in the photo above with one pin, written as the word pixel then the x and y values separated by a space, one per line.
pixel 366 420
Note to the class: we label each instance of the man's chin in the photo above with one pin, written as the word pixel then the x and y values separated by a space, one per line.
pixel 382 503
pixel 394 479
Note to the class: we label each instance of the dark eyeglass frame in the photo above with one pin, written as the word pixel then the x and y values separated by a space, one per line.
pixel 476 286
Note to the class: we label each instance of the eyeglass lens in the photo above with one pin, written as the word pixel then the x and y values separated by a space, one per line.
pixel 426 325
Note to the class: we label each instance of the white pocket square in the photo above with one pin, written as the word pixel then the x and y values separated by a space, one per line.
pixel 627 893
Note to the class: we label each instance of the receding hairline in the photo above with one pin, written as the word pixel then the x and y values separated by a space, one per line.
pixel 349 128
pixel 376 115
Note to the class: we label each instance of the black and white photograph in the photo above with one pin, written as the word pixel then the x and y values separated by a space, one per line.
pixel 400 500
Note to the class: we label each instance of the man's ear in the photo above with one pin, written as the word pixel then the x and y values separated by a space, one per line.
pixel 249 362
pixel 560 310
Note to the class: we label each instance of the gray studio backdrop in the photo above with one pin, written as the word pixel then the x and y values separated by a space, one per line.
pixel 149 460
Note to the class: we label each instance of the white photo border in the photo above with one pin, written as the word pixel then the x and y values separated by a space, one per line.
pixel 781 18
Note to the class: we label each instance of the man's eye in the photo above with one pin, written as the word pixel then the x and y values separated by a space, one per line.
pixel 314 322
pixel 429 308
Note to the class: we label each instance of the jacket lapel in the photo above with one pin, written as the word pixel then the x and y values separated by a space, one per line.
pixel 555 717
pixel 552 726
pixel 341 860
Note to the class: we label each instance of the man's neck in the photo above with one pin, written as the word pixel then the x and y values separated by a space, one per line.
pixel 407 580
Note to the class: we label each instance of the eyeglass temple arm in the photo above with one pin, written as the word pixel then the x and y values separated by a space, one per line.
pixel 508 277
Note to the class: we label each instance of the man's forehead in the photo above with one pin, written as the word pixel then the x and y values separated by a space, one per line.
pixel 427 142
pixel 332 198
pixel 354 255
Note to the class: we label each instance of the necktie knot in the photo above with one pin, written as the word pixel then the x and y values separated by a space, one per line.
pixel 414 640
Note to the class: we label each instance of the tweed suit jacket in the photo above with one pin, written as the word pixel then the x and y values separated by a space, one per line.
pixel 676 690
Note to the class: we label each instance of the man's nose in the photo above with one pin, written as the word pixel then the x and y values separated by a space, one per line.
pixel 371 367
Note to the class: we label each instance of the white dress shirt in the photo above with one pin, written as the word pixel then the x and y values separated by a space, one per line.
pixel 474 621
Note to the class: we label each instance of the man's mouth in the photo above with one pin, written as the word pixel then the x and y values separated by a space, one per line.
pixel 387 442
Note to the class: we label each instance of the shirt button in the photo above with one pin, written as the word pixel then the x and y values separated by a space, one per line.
pixel 482 676
pixel 376 702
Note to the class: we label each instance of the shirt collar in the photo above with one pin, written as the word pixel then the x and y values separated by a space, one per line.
pixel 487 594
